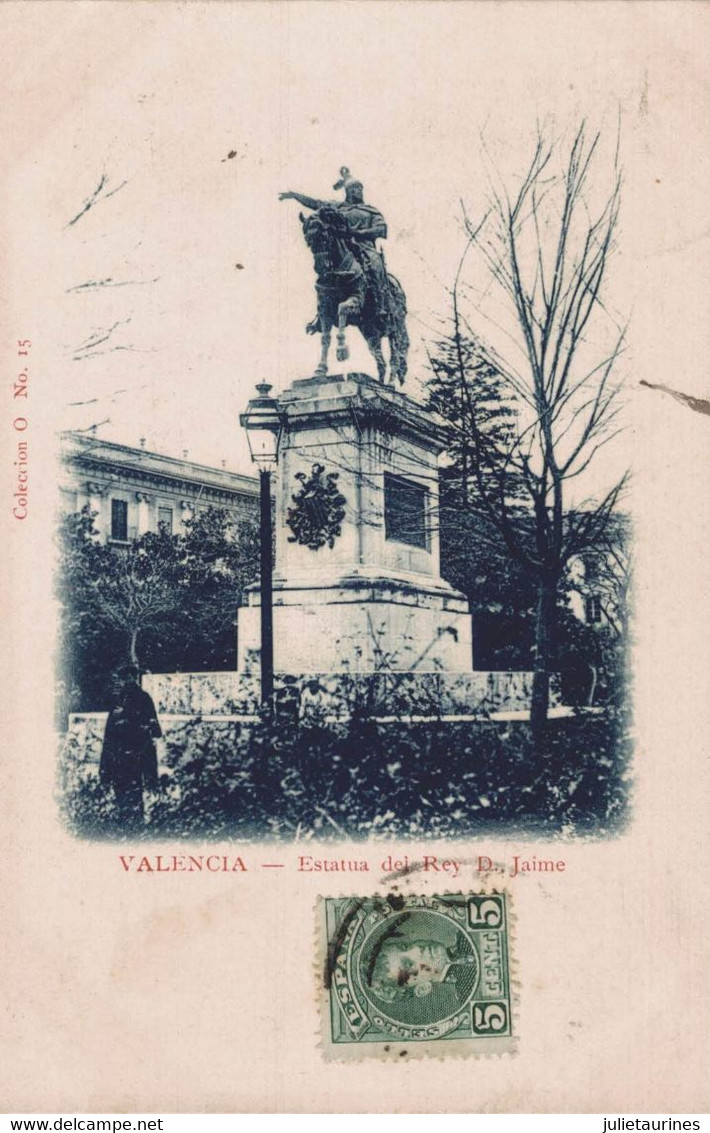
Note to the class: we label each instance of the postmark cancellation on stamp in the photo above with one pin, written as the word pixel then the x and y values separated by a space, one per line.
pixel 414 975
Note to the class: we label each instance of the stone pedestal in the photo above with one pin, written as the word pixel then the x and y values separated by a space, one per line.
pixel 374 601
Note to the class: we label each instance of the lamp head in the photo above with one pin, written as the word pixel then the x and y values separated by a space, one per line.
pixel 263 422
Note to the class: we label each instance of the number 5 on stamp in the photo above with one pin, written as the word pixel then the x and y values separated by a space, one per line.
pixel 407 976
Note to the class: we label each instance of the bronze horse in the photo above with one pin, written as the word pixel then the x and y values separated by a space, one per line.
pixel 346 296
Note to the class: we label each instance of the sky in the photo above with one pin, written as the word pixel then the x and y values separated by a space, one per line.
pixel 187 281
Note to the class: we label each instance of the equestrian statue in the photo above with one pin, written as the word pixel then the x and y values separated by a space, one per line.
pixel 352 282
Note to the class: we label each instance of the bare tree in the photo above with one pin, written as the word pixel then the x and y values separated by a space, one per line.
pixel 546 251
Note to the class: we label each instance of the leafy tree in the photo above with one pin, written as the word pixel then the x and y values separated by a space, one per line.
pixel 165 602
pixel 88 648
pixel 221 558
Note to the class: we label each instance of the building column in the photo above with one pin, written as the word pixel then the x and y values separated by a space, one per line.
pixel 186 512
pixel 143 523
pixel 96 493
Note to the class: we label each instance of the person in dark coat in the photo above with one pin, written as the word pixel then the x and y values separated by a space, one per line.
pixel 129 761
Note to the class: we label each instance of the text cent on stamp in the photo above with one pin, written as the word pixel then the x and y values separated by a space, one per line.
pixel 408 975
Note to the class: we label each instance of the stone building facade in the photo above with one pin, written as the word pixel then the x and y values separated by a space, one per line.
pixel 133 490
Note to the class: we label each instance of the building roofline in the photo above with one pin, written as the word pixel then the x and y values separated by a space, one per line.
pixel 95 449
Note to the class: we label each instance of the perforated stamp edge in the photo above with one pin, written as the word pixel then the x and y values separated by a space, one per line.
pixel 403 1050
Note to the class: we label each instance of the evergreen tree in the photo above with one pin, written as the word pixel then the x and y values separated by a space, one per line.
pixel 472 398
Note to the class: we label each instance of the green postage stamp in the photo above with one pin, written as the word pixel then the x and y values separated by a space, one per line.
pixel 412 975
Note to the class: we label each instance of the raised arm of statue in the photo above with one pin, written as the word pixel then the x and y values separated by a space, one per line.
pixel 307 202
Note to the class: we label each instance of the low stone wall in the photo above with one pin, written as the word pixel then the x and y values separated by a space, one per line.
pixel 343 694
pixel 204 694
pixel 197 708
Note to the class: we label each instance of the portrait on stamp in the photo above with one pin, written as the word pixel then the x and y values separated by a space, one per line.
pixel 418 970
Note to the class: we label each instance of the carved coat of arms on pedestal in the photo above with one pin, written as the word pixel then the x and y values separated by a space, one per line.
pixel 319 510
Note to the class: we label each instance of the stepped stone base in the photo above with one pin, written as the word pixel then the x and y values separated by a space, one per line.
pixel 417 627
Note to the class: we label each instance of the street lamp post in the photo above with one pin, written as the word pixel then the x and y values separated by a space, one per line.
pixel 263 422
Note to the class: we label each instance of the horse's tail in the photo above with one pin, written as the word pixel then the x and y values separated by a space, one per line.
pixel 398 336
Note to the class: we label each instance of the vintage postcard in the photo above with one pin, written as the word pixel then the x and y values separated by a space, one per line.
pixel 355 588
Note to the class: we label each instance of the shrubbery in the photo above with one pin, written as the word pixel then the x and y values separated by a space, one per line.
pixel 368 779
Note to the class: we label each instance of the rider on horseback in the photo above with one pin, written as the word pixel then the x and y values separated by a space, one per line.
pixel 363 224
